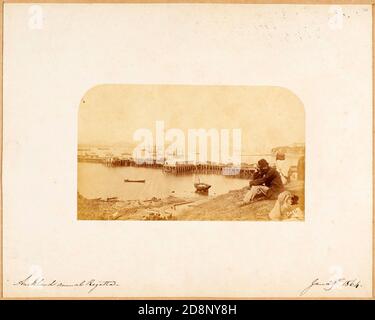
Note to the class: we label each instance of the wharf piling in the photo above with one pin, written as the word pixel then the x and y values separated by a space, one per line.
pixel 245 172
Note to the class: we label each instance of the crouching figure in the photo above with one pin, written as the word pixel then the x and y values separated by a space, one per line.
pixel 267 184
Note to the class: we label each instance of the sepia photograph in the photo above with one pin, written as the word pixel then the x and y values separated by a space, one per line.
pixel 159 152
pixel 203 150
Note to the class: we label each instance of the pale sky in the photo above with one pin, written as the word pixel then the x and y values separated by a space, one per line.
pixel 267 116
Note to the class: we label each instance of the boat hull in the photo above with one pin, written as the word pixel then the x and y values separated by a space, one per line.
pixel 138 181
pixel 202 187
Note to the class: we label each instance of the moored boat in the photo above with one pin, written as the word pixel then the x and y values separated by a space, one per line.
pixel 202 187
pixel 129 180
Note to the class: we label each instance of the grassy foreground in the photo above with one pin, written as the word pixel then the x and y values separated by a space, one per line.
pixel 223 207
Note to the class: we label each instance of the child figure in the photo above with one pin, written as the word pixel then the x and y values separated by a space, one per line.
pixel 283 206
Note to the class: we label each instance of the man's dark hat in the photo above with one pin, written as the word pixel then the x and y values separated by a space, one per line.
pixel 262 163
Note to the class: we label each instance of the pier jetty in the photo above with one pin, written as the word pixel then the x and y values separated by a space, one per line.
pixel 109 158
pixel 245 171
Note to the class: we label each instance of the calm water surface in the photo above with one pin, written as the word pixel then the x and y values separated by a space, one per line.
pixel 96 180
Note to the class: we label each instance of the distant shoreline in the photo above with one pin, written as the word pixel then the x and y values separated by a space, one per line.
pixel 245 171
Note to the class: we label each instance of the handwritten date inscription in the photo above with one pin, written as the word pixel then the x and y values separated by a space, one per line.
pixel 331 284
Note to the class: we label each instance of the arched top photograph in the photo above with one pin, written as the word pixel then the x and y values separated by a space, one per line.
pixel 183 152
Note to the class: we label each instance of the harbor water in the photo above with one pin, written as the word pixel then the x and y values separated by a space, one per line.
pixel 96 180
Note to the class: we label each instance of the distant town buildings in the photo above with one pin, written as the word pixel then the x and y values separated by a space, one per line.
pixel 295 148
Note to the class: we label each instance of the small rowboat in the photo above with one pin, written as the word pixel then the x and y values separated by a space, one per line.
pixel 128 180
pixel 202 187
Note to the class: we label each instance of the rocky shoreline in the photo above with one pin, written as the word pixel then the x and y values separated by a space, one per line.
pixel 222 207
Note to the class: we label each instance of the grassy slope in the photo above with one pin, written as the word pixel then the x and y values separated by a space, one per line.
pixel 223 207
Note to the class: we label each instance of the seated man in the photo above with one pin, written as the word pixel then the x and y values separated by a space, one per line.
pixel 266 185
